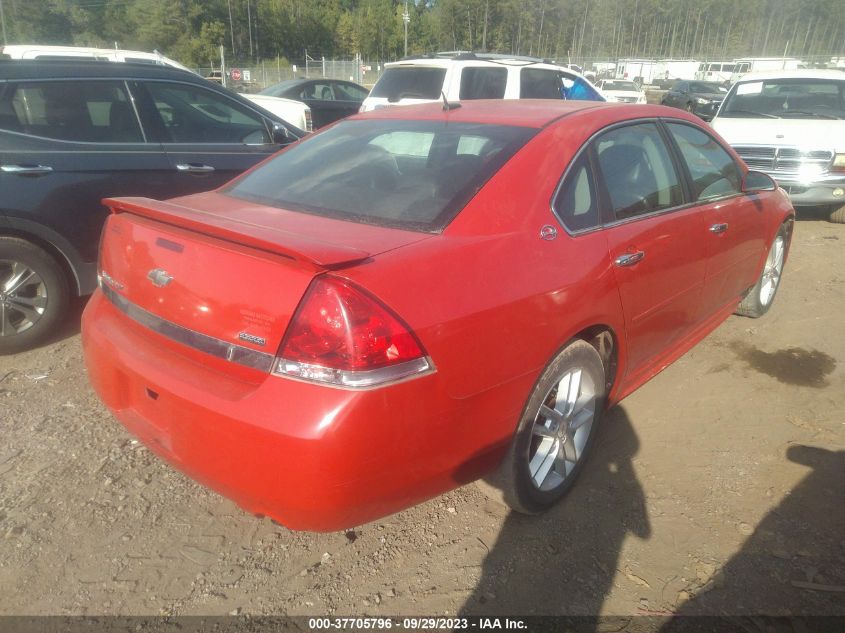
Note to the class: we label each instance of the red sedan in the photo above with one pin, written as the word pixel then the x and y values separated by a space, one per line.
pixel 416 297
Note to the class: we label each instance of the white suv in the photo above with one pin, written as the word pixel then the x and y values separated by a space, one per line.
pixel 791 125
pixel 462 76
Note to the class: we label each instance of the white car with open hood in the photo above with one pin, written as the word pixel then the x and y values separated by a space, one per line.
pixel 621 91
pixel 791 125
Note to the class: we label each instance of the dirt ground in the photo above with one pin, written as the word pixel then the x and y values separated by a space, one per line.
pixel 719 487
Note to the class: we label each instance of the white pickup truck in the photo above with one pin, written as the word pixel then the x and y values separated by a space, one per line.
pixel 791 125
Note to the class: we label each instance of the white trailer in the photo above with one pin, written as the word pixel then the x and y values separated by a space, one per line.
pixel 639 70
pixel 668 71
pixel 756 64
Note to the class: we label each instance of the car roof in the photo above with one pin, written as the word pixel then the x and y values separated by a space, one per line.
pixel 807 73
pixel 91 69
pixel 534 113
pixel 497 62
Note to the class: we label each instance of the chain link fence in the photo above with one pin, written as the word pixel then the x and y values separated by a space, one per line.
pixel 251 78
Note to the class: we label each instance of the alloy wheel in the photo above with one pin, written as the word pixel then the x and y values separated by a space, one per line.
pixel 23 297
pixel 561 429
pixel 772 271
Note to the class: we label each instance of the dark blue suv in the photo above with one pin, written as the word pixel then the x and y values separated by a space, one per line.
pixel 73 133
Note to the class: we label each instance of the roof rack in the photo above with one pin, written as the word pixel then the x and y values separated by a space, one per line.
pixel 465 55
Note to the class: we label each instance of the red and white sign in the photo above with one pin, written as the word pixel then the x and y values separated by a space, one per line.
pixel 236 74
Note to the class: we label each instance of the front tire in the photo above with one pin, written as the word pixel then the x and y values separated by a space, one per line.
pixel 556 432
pixel 33 295
pixel 759 299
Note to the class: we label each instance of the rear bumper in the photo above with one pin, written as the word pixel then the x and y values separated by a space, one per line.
pixel 311 457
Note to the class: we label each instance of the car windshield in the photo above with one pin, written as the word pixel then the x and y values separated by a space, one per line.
pixel 797 98
pixel 410 82
pixel 407 174
pixel 277 90
pixel 707 87
pixel 629 86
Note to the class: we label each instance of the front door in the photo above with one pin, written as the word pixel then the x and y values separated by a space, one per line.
pixel 655 244
pixel 208 137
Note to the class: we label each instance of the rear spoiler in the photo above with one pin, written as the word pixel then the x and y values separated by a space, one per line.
pixel 294 245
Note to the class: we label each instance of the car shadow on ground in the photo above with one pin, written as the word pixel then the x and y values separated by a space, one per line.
pixel 793 564
pixel 564 561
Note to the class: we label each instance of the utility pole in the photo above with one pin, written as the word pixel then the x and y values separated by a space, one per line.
pixel 406 17
pixel 231 26
pixel 249 25
pixel 3 23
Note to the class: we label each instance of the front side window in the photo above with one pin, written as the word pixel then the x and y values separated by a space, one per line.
pixel 192 114
pixel 538 83
pixel 483 83
pixel 714 173
pixel 575 202
pixel 637 170
pixel 317 91
pixel 87 111
pixel 408 174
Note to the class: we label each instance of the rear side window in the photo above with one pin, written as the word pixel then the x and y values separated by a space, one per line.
pixel 575 203
pixel 408 174
pixel 412 82
pixel 86 111
pixel 347 92
pixel 483 83
pixel 192 114
pixel 714 173
pixel 637 170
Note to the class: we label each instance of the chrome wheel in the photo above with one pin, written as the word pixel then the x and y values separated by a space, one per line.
pixel 772 270
pixel 23 297
pixel 561 429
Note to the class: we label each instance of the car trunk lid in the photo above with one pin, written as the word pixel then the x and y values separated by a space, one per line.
pixel 225 281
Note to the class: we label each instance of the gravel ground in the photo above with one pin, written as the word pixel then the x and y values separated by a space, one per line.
pixel 719 487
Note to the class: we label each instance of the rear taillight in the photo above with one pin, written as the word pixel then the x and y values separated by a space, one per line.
pixel 342 336
pixel 309 121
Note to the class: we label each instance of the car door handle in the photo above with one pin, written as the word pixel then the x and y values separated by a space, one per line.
pixel 27 170
pixel 719 228
pixel 195 168
pixel 629 259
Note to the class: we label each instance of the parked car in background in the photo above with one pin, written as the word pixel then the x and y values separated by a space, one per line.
pixel 621 91
pixel 74 133
pixel 698 97
pixel 417 297
pixel 294 112
pixel 791 125
pixel 328 99
pixel 467 76
pixel 81 53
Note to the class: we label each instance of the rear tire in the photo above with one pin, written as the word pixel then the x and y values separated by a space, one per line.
pixel 555 434
pixel 33 295
pixel 837 216
pixel 759 299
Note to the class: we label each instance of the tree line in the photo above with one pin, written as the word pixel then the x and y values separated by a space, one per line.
pixel 192 31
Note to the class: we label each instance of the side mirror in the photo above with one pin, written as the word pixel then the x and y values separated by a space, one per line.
pixel 281 135
pixel 758 181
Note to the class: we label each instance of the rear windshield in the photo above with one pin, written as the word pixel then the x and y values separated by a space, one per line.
pixel 407 174
pixel 414 82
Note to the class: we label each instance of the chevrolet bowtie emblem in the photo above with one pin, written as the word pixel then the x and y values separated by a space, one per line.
pixel 159 277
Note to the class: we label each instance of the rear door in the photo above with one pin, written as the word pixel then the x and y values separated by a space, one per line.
pixel 67 144
pixel 209 138
pixel 654 241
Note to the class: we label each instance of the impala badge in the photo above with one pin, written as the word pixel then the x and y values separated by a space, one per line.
pixel 159 277
pixel 251 338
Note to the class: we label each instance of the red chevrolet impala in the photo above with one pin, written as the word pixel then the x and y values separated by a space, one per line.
pixel 421 296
